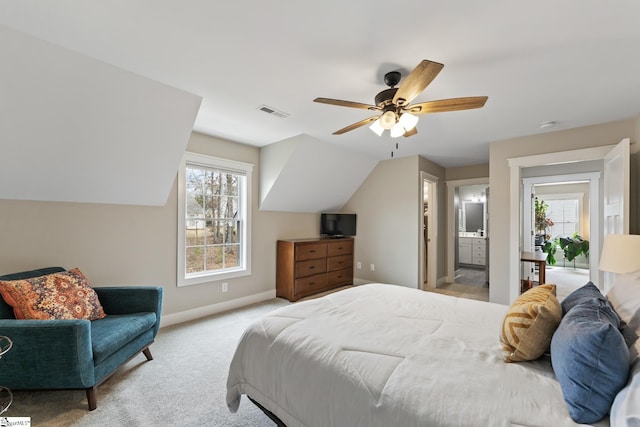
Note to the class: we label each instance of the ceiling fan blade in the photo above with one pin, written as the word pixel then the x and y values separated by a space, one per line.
pixel 342 103
pixel 442 105
pixel 356 125
pixel 416 82
pixel 411 132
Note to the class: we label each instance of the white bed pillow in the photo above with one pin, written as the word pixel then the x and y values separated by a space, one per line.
pixel 624 297
pixel 625 411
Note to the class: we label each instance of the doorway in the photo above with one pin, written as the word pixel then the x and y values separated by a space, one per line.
pixel 616 182
pixel 468 232
pixel 428 231
pixel 560 214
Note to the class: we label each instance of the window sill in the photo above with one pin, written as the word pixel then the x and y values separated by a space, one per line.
pixel 212 277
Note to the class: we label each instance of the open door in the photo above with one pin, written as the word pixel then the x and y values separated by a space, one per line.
pixel 616 195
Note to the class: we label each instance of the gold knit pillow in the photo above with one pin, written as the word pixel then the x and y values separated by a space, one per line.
pixel 530 323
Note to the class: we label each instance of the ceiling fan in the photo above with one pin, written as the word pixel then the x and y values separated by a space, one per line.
pixel 396 114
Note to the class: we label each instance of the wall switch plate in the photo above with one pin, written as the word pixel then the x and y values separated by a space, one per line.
pixel 225 287
pixel 373 267
pixel 358 265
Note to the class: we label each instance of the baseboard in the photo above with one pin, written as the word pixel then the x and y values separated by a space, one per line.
pixel 196 313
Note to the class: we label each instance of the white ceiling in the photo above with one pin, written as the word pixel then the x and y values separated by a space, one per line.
pixel 572 61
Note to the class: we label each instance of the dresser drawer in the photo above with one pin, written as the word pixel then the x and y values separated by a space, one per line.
pixel 308 266
pixel 341 247
pixel 340 277
pixel 480 246
pixel 311 251
pixel 313 266
pixel 479 251
pixel 339 262
pixel 310 284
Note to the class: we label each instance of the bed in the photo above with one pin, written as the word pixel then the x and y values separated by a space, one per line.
pixel 385 355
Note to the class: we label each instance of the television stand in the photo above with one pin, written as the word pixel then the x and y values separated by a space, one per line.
pixel 309 266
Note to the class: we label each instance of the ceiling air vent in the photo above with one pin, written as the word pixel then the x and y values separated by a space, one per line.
pixel 273 111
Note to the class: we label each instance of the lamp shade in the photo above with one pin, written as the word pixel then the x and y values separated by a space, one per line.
pixel 408 121
pixel 396 131
pixel 388 119
pixel 377 127
pixel 620 253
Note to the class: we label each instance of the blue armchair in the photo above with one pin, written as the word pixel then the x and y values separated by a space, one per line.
pixel 79 354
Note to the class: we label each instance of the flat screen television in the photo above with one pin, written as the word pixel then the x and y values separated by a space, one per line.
pixel 337 224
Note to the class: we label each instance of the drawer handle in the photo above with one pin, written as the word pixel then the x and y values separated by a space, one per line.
pixel 312 283
pixel 313 251
pixel 312 267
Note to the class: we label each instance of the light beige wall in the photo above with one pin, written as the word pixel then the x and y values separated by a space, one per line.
pixel 467 172
pixel 135 245
pixel 389 206
pixel 500 152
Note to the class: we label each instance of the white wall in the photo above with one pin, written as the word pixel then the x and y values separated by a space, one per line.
pixel 304 174
pixel 76 129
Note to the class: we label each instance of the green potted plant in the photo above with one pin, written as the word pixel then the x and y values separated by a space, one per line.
pixel 574 246
pixel 542 222
pixel 550 247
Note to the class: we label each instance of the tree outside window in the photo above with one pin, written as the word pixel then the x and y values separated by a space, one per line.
pixel 214 219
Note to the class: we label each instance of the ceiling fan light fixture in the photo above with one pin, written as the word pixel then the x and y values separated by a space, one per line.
pixel 394 104
pixel 377 128
pixel 388 119
pixel 408 121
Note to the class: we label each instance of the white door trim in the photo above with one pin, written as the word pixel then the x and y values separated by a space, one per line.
pixel 451 223
pixel 432 224
pixel 515 200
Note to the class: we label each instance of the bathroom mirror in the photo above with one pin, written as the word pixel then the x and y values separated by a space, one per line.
pixel 473 216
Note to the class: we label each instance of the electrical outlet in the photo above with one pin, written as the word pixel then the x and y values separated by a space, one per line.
pixel 373 267
pixel 225 287
pixel 358 265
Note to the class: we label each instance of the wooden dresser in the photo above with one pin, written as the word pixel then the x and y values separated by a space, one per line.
pixel 308 266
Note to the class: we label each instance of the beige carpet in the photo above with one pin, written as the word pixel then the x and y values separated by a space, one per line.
pixel 566 279
pixel 185 384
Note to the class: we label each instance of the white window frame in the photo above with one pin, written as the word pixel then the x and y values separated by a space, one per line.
pixel 241 168
pixel 570 196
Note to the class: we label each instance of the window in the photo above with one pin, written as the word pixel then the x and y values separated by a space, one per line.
pixel 564 210
pixel 213 219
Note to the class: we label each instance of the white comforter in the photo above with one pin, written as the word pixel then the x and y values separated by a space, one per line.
pixel 384 355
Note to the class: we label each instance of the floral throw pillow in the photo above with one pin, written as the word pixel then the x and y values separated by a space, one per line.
pixel 64 295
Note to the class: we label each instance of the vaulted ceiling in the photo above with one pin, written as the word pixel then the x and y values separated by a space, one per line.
pixel 573 62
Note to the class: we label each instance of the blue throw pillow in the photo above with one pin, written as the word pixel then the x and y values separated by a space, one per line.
pixel 587 292
pixel 590 359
